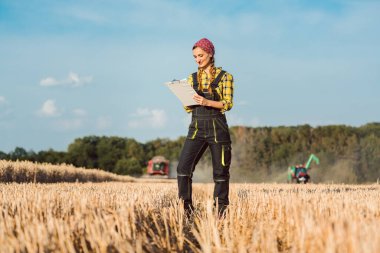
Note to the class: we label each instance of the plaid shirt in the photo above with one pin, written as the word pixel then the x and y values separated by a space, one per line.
pixel 225 89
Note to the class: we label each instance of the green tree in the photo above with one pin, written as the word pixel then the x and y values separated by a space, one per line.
pixel 130 166
pixel 83 152
pixel 3 156
pixel 19 154
pixel 110 150
pixel 51 156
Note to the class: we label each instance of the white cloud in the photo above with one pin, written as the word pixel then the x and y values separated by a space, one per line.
pixel 49 109
pixel 2 100
pixel 76 121
pixel 79 112
pixel 73 79
pixel 49 81
pixel 148 118
pixel 103 123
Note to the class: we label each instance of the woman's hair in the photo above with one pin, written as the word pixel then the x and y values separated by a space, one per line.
pixel 212 75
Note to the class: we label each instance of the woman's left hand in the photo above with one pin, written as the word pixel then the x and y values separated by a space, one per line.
pixel 200 100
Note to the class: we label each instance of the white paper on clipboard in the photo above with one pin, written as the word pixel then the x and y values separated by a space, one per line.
pixel 183 90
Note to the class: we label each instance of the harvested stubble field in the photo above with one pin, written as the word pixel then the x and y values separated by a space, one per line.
pixel 146 217
pixel 27 172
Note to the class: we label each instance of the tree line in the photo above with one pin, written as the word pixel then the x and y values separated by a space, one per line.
pixel 124 156
pixel 347 154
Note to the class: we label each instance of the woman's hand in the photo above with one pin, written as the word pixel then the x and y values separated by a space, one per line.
pixel 205 102
pixel 200 100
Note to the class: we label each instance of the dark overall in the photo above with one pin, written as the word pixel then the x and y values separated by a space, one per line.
pixel 208 128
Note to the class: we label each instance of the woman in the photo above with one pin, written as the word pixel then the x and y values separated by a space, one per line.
pixel 208 127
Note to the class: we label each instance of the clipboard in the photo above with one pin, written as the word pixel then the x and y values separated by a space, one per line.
pixel 183 90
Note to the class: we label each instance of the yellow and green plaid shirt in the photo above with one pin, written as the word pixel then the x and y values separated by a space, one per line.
pixel 225 88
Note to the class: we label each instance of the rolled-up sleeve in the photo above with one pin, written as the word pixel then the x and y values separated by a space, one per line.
pixel 227 86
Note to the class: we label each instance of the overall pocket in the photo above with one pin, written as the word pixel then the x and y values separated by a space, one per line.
pixel 226 155
pixel 193 129
pixel 222 132
pixel 222 123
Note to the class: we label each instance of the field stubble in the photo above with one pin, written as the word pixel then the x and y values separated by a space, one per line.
pixel 147 217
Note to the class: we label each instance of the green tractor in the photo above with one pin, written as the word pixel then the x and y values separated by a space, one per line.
pixel 299 173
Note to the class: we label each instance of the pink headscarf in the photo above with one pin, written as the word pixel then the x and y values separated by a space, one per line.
pixel 206 45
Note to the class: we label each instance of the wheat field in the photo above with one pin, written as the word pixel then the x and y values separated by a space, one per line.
pixel 147 217
pixel 26 171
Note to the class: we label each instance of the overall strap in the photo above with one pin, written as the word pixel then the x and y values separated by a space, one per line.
pixel 213 85
pixel 216 81
pixel 195 81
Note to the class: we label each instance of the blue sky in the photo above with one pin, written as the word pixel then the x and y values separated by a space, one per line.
pixel 76 68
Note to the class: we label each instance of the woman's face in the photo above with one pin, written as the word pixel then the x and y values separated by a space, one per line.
pixel 202 58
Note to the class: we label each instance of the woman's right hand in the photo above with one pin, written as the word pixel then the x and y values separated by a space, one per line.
pixel 200 100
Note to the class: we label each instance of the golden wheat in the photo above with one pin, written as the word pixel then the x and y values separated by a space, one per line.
pixel 25 171
pixel 142 217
